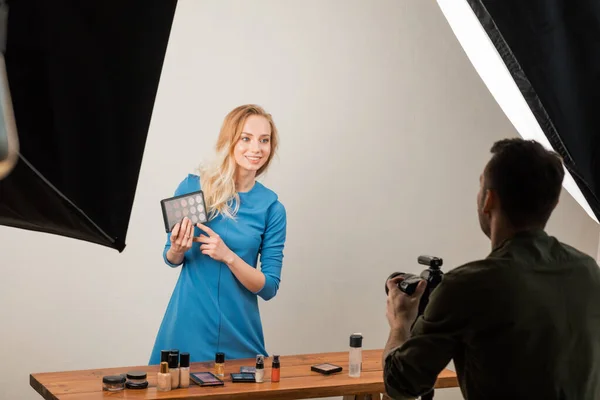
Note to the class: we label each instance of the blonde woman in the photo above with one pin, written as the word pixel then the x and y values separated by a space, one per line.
pixel 214 307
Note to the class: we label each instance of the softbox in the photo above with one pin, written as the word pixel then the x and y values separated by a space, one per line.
pixel 541 62
pixel 83 76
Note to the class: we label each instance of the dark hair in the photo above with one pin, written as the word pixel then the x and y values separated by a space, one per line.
pixel 527 179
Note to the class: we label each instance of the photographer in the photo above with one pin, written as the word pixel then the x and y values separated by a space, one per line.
pixel 523 323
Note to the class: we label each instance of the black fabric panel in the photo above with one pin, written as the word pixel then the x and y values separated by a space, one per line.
pixel 83 77
pixel 39 207
pixel 552 49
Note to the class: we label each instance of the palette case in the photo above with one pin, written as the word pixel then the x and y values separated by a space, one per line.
pixel 326 368
pixel 190 205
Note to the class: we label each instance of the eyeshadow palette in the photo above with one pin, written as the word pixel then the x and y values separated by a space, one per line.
pixel 190 205
pixel 206 379
pixel 242 377
pixel 326 368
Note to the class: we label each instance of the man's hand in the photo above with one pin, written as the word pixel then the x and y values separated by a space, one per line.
pixel 402 309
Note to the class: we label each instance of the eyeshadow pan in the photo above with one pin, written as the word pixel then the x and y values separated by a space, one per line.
pixel 177 207
pixel 326 367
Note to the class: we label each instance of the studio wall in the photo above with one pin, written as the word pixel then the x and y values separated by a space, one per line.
pixel 385 128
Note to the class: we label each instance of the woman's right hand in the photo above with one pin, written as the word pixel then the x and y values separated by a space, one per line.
pixel 182 237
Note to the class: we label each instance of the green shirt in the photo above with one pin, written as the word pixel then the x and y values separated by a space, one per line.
pixel 523 323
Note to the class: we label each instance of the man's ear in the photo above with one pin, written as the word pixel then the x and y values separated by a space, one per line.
pixel 490 200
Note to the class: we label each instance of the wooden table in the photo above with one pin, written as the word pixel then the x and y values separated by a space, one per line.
pixel 297 381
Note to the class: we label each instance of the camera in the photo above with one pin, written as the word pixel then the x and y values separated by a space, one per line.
pixel 432 275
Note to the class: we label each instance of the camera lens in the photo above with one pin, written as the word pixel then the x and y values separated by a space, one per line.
pixel 395 274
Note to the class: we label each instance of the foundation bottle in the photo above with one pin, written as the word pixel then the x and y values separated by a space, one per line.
pixel 259 376
pixel 275 369
pixel 174 370
pixel 220 365
pixel 164 378
pixel 184 370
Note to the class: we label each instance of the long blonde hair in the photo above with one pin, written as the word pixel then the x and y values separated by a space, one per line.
pixel 218 178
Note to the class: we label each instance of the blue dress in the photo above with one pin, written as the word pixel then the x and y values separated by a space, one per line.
pixel 210 310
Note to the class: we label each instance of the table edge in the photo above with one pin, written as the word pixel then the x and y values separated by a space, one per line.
pixel 41 389
pixel 441 383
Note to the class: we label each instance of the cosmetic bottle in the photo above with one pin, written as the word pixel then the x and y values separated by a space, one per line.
pixel 176 352
pixel 184 370
pixel 220 365
pixel 174 370
pixel 275 369
pixel 164 355
pixel 355 356
pixel 163 378
pixel 259 376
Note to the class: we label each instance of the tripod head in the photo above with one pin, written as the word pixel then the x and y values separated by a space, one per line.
pixel 433 275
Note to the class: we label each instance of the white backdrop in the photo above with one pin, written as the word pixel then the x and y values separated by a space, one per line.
pixel 385 128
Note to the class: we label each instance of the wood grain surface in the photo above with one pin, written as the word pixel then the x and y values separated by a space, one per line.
pixel 297 381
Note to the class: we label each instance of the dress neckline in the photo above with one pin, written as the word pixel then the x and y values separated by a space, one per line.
pixel 252 189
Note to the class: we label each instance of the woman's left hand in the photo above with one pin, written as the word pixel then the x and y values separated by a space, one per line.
pixel 213 246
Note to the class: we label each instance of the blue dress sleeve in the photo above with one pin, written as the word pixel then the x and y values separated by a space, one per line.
pixel 271 253
pixel 183 188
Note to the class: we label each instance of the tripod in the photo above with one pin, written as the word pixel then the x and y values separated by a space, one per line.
pixel 433 276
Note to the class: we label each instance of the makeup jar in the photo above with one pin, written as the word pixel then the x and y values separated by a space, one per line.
pixel 113 383
pixel 136 380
